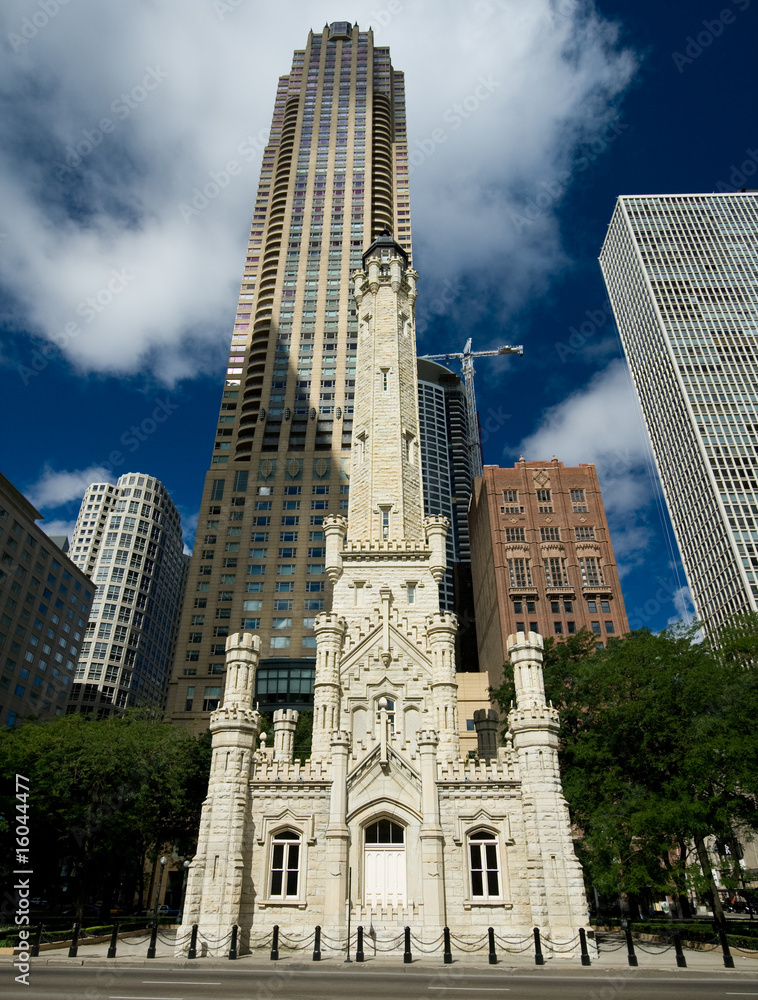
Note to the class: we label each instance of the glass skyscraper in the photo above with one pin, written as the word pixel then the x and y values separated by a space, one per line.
pixel 682 276
pixel 334 176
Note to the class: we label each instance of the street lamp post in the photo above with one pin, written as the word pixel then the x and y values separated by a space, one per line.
pixel 163 861
pixel 185 866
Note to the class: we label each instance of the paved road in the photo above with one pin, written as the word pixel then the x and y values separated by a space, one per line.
pixel 331 980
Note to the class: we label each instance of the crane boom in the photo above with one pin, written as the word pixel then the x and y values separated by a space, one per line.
pixel 466 358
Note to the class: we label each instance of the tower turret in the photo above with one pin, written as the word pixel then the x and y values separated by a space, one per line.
pixel 386 500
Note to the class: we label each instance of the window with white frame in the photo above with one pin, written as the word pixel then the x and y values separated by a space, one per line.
pixel 484 865
pixel 285 865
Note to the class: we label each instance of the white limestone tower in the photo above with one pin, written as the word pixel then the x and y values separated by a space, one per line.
pixel 385 667
pixel 218 882
pixel 556 886
pixel 386 559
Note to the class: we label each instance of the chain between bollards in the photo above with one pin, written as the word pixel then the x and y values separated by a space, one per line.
pixel 447 957
pixel 538 956
pixel 153 940
pixel 359 956
pixel 317 944
pixel 233 947
pixel 75 941
pixel 114 941
pixel 583 946
pixel 275 944
pixel 407 957
pixel 681 961
pixel 192 953
pixel 491 937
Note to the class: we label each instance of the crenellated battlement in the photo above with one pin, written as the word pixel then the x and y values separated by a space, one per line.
pixel 267 769
pixel 408 547
pixel 504 768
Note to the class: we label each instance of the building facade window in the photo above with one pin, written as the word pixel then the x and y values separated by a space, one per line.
pixel 520 572
pixel 285 865
pixel 592 574
pixel 484 865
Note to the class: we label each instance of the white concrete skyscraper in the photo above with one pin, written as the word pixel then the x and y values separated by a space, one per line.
pixel 128 539
pixel 681 276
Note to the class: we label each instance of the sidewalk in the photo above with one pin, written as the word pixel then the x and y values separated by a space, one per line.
pixel 650 958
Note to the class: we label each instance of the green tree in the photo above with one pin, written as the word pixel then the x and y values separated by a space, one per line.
pixel 104 796
pixel 659 751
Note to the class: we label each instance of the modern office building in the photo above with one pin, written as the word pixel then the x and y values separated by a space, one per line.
pixel 128 537
pixel 448 477
pixel 446 461
pixel 681 276
pixel 542 559
pixel 334 176
pixel 44 606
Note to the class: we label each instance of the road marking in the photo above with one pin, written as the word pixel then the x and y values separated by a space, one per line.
pixel 145 998
pixel 474 989
pixel 176 982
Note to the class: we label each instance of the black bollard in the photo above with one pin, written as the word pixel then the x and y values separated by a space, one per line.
pixel 407 957
pixel 538 957
pixel 583 946
pixel 630 956
pixel 114 941
pixel 75 941
pixel 153 940
pixel 37 938
pixel 728 960
pixel 233 947
pixel 491 936
pixel 317 944
pixel 359 957
pixel 275 944
pixel 681 961
pixel 192 953
pixel 447 957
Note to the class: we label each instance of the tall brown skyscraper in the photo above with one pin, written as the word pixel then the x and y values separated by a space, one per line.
pixel 334 176
pixel 541 558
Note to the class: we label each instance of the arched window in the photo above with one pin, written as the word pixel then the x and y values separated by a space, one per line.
pixel 285 865
pixel 384 832
pixel 390 709
pixel 484 865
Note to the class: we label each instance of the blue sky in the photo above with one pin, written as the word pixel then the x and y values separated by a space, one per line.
pixel 526 120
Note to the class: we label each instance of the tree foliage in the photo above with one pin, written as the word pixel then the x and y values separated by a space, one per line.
pixel 104 796
pixel 659 750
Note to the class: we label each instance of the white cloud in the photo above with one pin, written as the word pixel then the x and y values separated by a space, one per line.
pixel 504 93
pixel 602 423
pixel 54 489
pixel 684 606
pixel 189 529
pixel 59 527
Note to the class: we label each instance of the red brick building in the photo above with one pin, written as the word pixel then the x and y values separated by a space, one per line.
pixel 541 557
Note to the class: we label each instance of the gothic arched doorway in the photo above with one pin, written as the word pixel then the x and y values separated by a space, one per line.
pixel 384 864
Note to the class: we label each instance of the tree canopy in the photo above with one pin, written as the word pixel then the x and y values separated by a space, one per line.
pixel 659 750
pixel 103 796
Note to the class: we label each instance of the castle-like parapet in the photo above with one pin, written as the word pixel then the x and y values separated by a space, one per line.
pixel 335 529
pixel 242 653
pixel 525 652
pixel 436 528
pixel 469 770
pixel 285 724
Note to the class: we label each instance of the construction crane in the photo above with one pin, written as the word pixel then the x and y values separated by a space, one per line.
pixel 466 358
